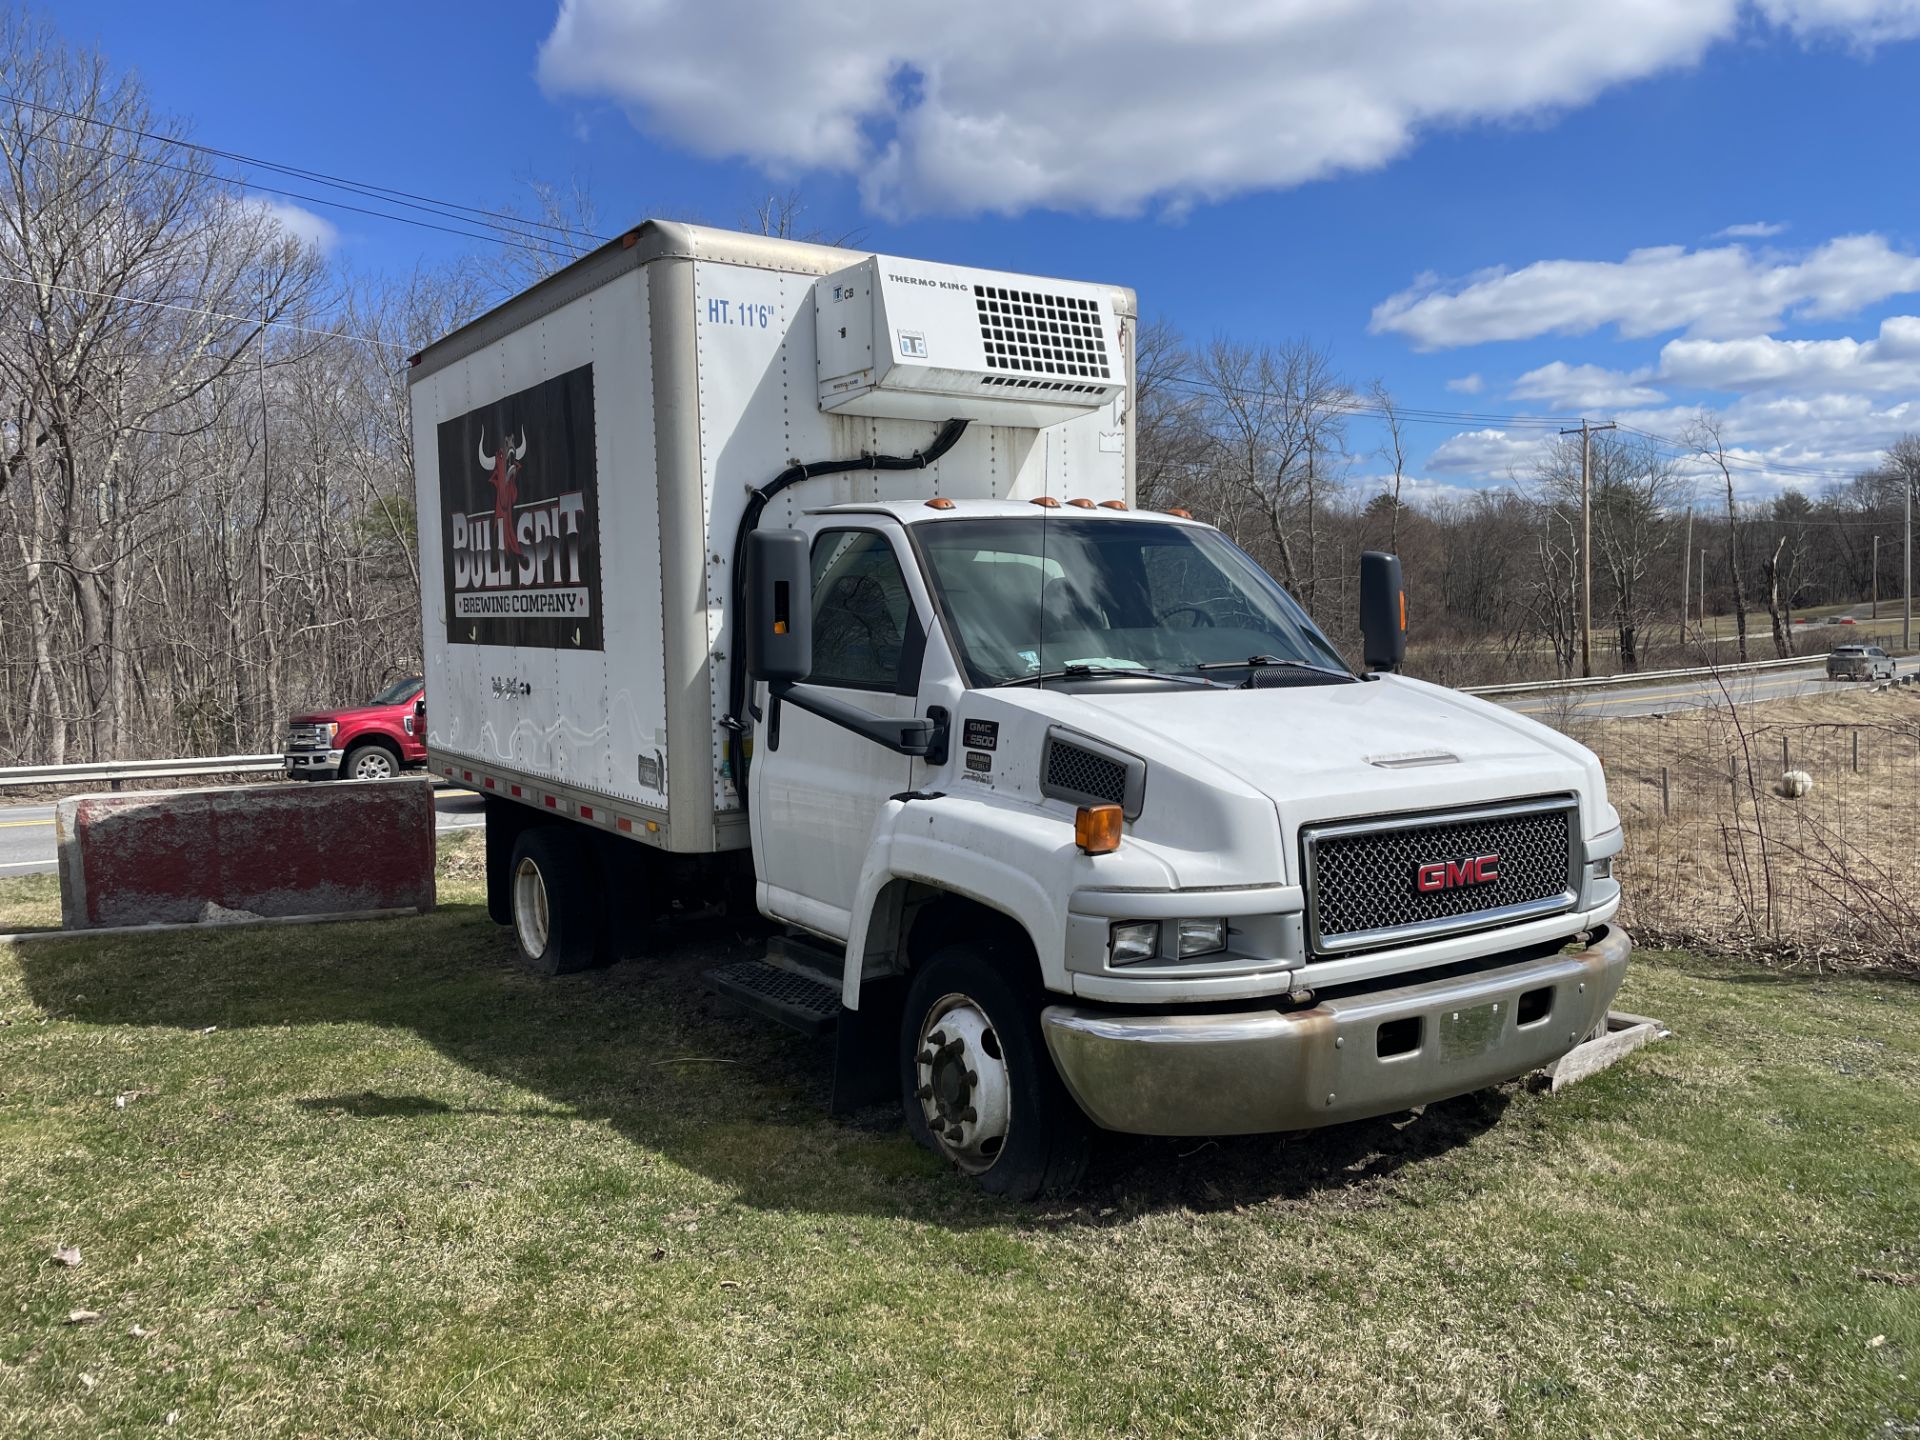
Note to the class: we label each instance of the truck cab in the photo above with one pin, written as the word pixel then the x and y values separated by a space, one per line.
pixel 1162 861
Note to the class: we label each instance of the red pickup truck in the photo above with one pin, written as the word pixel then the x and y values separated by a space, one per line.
pixel 374 741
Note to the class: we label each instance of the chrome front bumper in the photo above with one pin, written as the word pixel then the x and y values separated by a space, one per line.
pixel 1247 1072
pixel 307 762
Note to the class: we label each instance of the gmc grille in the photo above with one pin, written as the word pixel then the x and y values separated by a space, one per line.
pixel 1363 886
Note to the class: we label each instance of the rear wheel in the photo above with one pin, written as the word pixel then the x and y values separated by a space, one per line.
pixel 369 762
pixel 556 917
pixel 977 1084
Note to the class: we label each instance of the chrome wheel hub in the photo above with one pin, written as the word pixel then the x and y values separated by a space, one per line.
pixel 530 908
pixel 962 1083
pixel 373 765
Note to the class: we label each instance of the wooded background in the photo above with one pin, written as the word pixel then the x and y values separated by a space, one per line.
pixel 206 493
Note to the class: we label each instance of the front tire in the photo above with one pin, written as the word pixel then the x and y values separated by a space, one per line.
pixel 555 915
pixel 977 1084
pixel 369 762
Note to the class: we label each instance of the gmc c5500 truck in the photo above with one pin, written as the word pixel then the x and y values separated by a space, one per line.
pixel 758 563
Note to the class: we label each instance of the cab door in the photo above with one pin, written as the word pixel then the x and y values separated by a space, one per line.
pixel 814 799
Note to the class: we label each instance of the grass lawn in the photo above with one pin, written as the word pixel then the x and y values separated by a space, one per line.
pixel 370 1180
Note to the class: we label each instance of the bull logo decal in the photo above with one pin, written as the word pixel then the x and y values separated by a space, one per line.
pixel 505 479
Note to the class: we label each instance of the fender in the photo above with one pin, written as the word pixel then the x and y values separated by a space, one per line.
pixel 1011 858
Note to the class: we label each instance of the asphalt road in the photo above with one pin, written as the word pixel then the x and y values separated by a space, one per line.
pixel 26 831
pixel 1688 694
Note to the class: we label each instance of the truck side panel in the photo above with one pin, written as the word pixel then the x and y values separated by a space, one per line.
pixel 577 696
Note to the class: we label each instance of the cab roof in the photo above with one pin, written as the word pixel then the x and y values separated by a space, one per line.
pixel 920 512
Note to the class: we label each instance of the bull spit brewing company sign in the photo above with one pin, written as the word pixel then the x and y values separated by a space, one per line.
pixel 522 541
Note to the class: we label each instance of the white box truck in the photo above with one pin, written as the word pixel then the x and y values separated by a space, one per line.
pixel 762 567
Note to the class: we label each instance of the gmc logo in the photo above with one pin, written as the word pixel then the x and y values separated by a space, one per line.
pixel 1451 874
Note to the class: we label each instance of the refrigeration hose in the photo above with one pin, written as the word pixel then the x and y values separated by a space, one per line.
pixel 943 441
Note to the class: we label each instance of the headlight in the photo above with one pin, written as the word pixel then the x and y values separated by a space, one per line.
pixel 1134 941
pixel 1201 937
pixel 332 728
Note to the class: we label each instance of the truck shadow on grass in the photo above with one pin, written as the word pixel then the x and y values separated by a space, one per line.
pixel 642 1048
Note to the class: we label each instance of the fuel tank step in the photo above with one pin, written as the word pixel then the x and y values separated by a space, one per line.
pixel 800 1000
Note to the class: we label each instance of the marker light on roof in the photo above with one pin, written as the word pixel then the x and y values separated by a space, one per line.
pixel 1045 502
pixel 1179 513
pixel 939 502
pixel 1081 502
pixel 1113 504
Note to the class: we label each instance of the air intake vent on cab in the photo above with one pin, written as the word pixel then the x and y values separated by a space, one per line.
pixel 1086 772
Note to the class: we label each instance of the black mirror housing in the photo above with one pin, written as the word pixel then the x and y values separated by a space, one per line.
pixel 1383 611
pixel 779 618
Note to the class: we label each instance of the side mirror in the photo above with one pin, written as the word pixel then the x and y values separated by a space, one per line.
pixel 1383 611
pixel 420 706
pixel 779 618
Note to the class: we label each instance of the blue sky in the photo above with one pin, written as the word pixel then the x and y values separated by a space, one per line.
pixel 1262 171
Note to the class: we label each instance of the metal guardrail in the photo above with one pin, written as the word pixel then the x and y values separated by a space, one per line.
pixel 1644 677
pixel 114 771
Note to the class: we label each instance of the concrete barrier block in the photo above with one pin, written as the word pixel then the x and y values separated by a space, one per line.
pixel 243 852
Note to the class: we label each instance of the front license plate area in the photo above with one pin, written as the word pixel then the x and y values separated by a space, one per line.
pixel 1468 1032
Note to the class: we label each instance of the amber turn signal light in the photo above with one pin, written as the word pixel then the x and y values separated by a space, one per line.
pixel 1096 829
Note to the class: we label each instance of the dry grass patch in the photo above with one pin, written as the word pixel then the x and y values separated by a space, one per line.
pixel 1716 856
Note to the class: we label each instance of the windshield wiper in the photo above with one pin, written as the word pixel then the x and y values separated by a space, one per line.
pixel 1261 662
pixel 1102 672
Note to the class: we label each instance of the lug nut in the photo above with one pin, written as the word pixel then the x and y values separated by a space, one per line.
pixel 951 1048
pixel 925 1092
pixel 967 1116
pixel 925 1057
pixel 973 1077
pixel 954 1134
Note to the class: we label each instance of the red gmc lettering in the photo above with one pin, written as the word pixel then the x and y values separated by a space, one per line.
pixel 1450 874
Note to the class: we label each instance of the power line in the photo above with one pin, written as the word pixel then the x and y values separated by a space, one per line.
pixel 366 188
pixel 503 238
pixel 201 310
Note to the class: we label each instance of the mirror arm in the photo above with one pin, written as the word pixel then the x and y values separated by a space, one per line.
pixel 924 737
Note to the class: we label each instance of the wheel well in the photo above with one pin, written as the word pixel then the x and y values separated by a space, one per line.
pixel 377 740
pixel 943 918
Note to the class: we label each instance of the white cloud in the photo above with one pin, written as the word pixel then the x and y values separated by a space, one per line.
pixel 1863 23
pixel 1585 387
pixel 1727 291
pixel 1488 454
pixel 1752 230
pixel 1802 442
pixel 1101 105
pixel 1889 362
pixel 1467 384
pixel 297 221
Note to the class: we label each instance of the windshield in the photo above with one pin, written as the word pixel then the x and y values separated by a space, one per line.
pixel 399 690
pixel 1026 598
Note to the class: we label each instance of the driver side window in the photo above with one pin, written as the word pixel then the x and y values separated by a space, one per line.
pixel 862 612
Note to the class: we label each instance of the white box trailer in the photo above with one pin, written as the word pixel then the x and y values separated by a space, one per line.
pixel 756 563
pixel 623 411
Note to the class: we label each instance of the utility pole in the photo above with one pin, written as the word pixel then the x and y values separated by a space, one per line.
pixel 1686 575
pixel 1906 588
pixel 1876 578
pixel 1586 541
pixel 1703 592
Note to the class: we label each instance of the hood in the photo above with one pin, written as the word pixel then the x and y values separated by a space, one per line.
pixel 1327 752
pixel 348 713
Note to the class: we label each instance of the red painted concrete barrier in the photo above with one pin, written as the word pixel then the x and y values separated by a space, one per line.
pixel 238 852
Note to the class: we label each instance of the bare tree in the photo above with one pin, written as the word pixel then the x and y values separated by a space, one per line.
pixel 139 286
pixel 1706 437
pixel 1394 450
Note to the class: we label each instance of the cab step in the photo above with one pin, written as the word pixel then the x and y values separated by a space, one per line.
pixel 800 998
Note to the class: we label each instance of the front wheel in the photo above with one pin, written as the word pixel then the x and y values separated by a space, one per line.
pixel 977 1084
pixel 369 762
